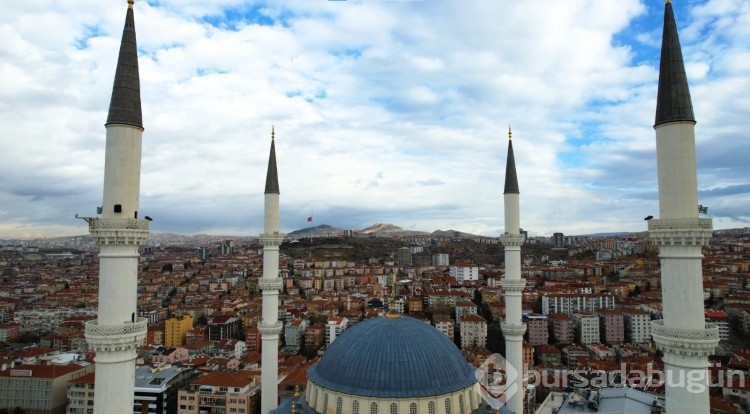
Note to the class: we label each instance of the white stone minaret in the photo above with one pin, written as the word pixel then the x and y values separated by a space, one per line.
pixel 116 332
pixel 513 327
pixel 270 284
pixel 683 336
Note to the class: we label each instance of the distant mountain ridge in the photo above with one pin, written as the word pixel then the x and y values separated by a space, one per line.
pixel 376 230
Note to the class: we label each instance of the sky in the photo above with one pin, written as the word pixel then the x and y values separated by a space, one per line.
pixel 384 112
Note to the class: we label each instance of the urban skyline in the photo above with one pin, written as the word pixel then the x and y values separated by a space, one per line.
pixel 401 122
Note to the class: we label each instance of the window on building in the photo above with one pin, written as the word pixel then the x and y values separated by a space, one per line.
pixel 413 408
pixel 374 408
pixel 355 407
pixel 431 407
pixel 325 402
pixel 448 406
pixel 461 408
pixel 339 405
pixel 394 408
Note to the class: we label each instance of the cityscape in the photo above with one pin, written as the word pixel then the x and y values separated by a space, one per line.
pixel 588 303
pixel 340 320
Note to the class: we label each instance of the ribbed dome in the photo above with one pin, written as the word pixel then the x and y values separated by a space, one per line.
pixel 392 358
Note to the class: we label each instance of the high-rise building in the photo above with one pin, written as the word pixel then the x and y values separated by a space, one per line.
pixel 119 233
pixel 683 334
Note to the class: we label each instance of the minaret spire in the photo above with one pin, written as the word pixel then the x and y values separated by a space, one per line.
pixel 673 101
pixel 272 176
pixel 125 103
pixel 511 179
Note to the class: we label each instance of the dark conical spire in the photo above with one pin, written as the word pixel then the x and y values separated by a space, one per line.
pixel 673 99
pixel 125 105
pixel 272 177
pixel 511 179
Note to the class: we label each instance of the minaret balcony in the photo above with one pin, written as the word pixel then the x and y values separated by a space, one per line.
pixel 272 330
pixel 510 239
pixel 270 284
pixel 118 231
pixel 513 285
pixel 271 239
pixel 680 232
pixel 116 337
pixel 683 341
pixel 511 329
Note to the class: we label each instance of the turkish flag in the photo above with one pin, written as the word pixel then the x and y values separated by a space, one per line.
pixel 309 219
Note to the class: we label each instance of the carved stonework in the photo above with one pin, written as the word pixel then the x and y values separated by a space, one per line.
pixel 271 239
pixel 270 284
pixel 512 239
pixel 513 285
pixel 513 329
pixel 680 232
pixel 687 342
pixel 116 337
pixel 118 232
pixel 270 330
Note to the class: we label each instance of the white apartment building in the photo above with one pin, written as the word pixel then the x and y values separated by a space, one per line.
pixel 335 327
pixel 465 307
pixel 571 302
pixel 587 328
pixel 446 326
pixel 473 331
pixel 464 272
pixel 637 326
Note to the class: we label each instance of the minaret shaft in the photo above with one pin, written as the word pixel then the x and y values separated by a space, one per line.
pixel 513 326
pixel 682 335
pixel 116 332
pixel 270 284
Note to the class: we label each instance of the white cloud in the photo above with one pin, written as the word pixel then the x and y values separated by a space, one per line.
pixel 384 111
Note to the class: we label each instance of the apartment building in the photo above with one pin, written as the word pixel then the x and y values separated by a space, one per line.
pixel 637 325
pixel 294 335
pixel 473 331
pixel 175 330
pixel 562 328
pixel 220 392
pixel 336 326
pixel 575 302
pixel 587 328
pixel 463 273
pixel 612 326
pixel 39 389
pixel 446 326
pixel 537 329
pixel 465 307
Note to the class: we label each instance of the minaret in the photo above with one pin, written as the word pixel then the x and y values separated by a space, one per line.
pixel 116 332
pixel 270 284
pixel 513 328
pixel 683 336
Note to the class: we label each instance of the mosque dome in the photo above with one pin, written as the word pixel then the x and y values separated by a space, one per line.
pixel 392 358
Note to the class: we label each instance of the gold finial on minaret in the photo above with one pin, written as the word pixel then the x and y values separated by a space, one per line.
pixel 392 312
pixel 294 400
pixel 510 134
pixel 130 3
pixel 669 1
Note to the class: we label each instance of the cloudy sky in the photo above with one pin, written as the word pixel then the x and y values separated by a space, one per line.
pixel 385 111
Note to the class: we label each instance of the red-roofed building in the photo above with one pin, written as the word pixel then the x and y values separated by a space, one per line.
pixel 48 385
pixel 220 391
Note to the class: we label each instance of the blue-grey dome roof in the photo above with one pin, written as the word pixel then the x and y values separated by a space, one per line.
pixel 392 358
